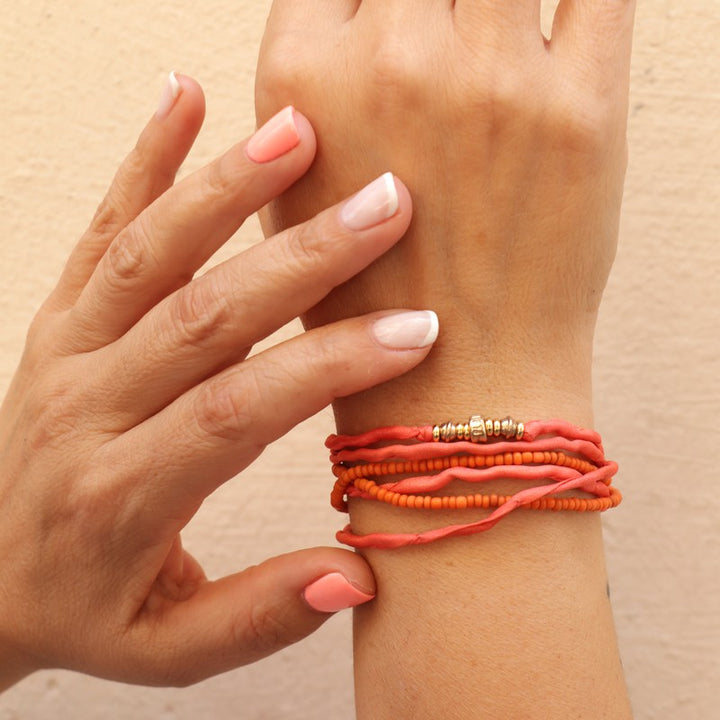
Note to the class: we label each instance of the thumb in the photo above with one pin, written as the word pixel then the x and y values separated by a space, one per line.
pixel 252 614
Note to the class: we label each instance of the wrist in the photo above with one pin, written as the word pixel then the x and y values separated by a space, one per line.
pixel 529 381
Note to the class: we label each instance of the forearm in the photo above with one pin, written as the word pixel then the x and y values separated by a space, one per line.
pixel 514 622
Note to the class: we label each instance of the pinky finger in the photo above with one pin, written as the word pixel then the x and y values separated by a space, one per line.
pixel 218 428
pixel 145 174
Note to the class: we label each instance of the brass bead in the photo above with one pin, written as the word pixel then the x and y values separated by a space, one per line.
pixel 477 429
pixel 509 428
pixel 448 431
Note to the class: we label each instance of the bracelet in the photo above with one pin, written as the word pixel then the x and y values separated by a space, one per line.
pixel 566 457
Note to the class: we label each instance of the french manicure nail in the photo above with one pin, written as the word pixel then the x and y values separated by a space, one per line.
pixel 407 330
pixel 276 137
pixel 334 592
pixel 170 93
pixel 376 202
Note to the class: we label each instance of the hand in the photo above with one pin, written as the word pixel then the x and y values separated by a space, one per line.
pixel 134 400
pixel 514 149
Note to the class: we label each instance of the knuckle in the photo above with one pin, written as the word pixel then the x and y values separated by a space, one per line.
pixel 219 180
pixel 267 630
pixel 107 218
pixel 585 128
pixel 328 358
pixel 281 70
pixel 53 411
pixel 330 363
pixel 496 98
pixel 222 410
pixel 114 209
pixel 396 75
pixel 391 65
pixel 265 627
pixel 129 256
pixel 200 311
pixel 305 249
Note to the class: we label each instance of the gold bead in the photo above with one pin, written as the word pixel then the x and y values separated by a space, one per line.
pixel 509 428
pixel 448 431
pixel 477 429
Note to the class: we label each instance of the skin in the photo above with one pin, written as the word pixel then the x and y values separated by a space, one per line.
pixel 514 147
pixel 134 400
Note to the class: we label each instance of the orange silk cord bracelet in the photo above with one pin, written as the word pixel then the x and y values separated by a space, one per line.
pixel 425 459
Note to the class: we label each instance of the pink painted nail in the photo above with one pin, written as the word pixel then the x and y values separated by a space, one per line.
pixel 334 592
pixel 376 202
pixel 171 92
pixel 276 137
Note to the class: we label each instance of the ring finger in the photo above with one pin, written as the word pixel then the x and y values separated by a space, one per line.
pixel 161 250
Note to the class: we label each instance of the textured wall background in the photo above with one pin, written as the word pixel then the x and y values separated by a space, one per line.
pixel 77 82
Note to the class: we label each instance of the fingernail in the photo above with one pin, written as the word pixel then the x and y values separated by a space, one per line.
pixel 276 137
pixel 407 330
pixel 376 202
pixel 334 592
pixel 171 92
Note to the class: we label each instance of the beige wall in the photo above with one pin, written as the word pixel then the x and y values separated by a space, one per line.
pixel 78 80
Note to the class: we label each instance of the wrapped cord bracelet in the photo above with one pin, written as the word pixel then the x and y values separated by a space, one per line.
pixel 479 450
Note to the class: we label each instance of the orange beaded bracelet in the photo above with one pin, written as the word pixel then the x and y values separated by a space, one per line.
pixel 369 490
pixel 562 455
pixel 547 462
